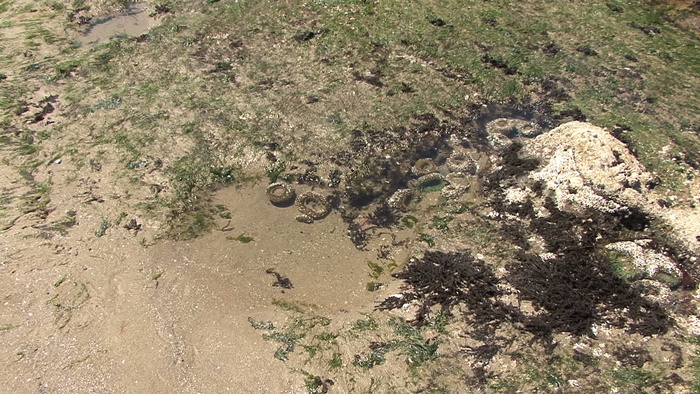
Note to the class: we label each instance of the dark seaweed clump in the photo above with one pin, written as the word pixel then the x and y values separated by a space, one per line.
pixel 570 292
pixel 512 168
pixel 576 290
pixel 579 287
pixel 280 280
pixel 451 279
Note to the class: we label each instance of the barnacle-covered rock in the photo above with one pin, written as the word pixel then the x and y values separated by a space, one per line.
pixel 644 258
pixel 423 167
pixel 429 181
pixel 454 192
pixel 460 178
pixel 585 166
pixel 280 194
pixel 501 126
pixel 501 131
pixel 528 129
pixel 460 161
pixel 313 205
pixel 304 219
pixel 401 199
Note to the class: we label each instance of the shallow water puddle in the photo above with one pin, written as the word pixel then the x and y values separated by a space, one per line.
pixel 210 286
pixel 320 260
pixel 134 21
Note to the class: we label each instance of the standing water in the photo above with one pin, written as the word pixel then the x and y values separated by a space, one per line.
pixel 133 21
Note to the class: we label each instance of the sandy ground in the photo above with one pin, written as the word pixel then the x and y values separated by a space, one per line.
pixel 92 318
pixel 122 313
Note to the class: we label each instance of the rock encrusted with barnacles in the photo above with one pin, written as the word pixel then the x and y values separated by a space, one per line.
pixel 585 166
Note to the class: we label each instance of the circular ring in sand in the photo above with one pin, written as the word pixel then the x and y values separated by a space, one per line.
pixel 280 194
pixel 528 129
pixel 424 167
pixel 429 181
pixel 313 205
pixel 513 128
pixel 500 125
pixel 462 162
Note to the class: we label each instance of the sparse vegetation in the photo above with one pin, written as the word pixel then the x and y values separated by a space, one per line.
pixel 242 238
pixel 104 226
pixel 346 98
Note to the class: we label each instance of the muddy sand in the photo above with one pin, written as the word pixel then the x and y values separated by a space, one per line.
pixel 113 316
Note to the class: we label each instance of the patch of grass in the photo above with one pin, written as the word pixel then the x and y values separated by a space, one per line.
pixel 120 217
pixel 242 238
pixel 190 221
pixel 104 226
pixel 287 342
pixel 38 197
pixel 695 370
pixel 634 379
pixel 67 68
pixel 224 174
pixel 289 336
pixel 289 306
pixel 275 170
pixel 316 384
pixel 407 339
pixel 427 238
pixel 434 184
pixel 376 270
pixel 327 336
pixel 66 304
pixel 442 222
pixel 366 324
pixel 544 378
pixel 374 357
pixel 112 102
pixel 60 281
pixel 437 322
pixel 412 344
pixel 456 208
pixel 409 221
pixel 336 361
pixel 27 149
pixel 261 325
pixel 312 350
pixel 76 362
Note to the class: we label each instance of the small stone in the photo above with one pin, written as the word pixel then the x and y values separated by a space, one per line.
pixel 304 219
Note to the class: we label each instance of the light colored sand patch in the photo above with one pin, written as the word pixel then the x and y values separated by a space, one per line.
pixel 133 22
